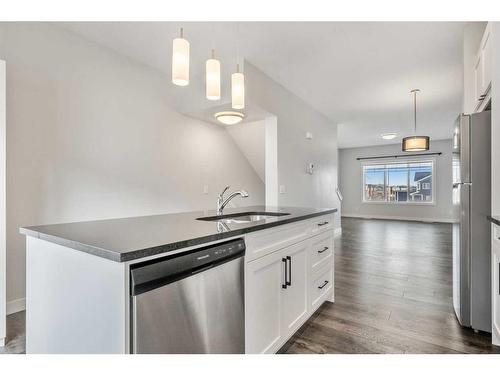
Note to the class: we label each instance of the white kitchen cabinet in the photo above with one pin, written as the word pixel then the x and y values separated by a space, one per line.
pixel 483 70
pixel 294 296
pixel 321 251
pixel 264 281
pixel 495 283
pixel 283 288
pixel 276 298
pixel 320 286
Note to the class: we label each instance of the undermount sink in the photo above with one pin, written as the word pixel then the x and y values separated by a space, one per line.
pixel 243 217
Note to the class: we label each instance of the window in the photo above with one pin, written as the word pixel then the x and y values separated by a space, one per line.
pixel 409 182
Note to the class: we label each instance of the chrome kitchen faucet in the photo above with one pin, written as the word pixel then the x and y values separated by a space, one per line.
pixel 221 202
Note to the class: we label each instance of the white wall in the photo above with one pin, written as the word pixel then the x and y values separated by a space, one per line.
pixel 495 120
pixel 251 140
pixel 351 185
pixel 294 118
pixel 91 135
pixel 3 279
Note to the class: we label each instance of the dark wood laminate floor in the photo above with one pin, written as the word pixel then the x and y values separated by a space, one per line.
pixel 16 337
pixel 393 294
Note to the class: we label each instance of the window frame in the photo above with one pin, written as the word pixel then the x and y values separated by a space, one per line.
pixel 433 202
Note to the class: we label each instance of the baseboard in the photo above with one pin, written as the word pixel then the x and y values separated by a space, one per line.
pixel 337 232
pixel 402 218
pixel 16 305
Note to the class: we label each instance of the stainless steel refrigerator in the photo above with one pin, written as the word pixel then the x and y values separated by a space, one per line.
pixel 471 163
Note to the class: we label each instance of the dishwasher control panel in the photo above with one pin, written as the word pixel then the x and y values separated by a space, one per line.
pixel 217 253
pixel 162 271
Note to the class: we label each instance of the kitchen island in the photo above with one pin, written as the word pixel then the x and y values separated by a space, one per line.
pixel 78 275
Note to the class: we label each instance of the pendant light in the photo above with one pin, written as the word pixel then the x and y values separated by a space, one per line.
pixel 212 77
pixel 180 61
pixel 238 89
pixel 415 143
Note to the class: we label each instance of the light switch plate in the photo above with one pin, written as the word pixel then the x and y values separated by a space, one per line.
pixel 282 189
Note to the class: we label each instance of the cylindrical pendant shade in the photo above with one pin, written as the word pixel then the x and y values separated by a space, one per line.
pixel 180 62
pixel 212 79
pixel 238 90
pixel 416 143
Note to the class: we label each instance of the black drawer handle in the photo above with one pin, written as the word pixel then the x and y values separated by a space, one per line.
pixel 286 272
pixel 289 282
pixel 323 223
pixel 322 251
pixel 324 284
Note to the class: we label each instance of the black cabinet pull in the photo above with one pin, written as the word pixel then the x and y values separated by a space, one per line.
pixel 324 249
pixel 323 223
pixel 289 282
pixel 324 284
pixel 285 283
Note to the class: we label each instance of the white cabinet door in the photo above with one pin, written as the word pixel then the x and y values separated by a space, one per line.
pixel 478 78
pixel 3 295
pixel 495 283
pixel 263 293
pixel 483 68
pixel 486 59
pixel 294 297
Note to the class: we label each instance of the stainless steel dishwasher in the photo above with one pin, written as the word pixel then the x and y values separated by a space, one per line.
pixel 191 302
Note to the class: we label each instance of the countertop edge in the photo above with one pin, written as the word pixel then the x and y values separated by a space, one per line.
pixel 92 250
pixel 146 252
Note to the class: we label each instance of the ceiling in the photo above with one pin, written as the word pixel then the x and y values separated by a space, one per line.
pixel 358 74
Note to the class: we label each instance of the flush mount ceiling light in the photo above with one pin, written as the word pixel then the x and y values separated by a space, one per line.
pixel 388 135
pixel 229 117
pixel 415 143
pixel 180 61
pixel 212 77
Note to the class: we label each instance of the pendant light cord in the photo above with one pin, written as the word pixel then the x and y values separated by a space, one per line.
pixel 414 92
pixel 415 109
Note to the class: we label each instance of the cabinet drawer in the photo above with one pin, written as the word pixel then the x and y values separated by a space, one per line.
pixel 321 224
pixel 321 251
pixel 320 286
pixel 267 241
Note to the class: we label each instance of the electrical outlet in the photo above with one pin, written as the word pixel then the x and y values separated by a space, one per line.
pixel 205 189
pixel 282 189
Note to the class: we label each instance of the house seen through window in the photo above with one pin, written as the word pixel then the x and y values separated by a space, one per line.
pixel 408 182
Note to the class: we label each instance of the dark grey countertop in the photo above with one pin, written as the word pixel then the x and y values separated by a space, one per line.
pixel 132 238
pixel 494 219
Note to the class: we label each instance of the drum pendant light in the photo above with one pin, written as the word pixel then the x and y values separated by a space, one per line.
pixel 180 61
pixel 415 143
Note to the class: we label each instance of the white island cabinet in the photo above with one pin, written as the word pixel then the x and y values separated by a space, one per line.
pixel 79 294
pixel 286 284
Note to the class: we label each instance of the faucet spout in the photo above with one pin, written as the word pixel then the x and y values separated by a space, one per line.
pixel 221 202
